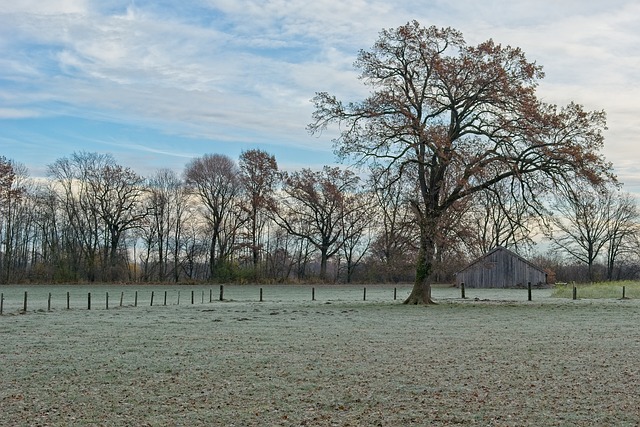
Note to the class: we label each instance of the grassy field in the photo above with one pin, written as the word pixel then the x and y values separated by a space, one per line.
pixel 491 360
pixel 599 290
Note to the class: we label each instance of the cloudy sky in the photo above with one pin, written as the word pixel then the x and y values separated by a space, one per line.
pixel 158 82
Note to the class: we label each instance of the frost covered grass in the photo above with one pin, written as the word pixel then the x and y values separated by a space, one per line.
pixel 599 290
pixel 290 361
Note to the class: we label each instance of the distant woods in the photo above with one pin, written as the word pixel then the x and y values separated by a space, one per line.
pixel 245 220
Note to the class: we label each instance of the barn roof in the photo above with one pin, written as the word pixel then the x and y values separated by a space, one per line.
pixel 503 249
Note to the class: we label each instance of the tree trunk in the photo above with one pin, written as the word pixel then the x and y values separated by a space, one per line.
pixel 323 264
pixel 212 257
pixel 421 292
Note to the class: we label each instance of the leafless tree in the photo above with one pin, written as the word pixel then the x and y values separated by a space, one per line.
pixel 118 193
pixel 215 179
pixel 167 204
pixel 15 219
pixel 101 201
pixel 314 206
pixel 580 222
pixel 83 229
pixel 622 227
pixel 258 177
pixel 357 224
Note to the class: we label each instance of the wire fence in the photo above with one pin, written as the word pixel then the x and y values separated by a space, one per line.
pixel 43 298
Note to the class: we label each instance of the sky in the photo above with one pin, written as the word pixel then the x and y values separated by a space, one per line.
pixel 157 83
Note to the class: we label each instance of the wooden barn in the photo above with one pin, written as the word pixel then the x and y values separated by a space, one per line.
pixel 501 268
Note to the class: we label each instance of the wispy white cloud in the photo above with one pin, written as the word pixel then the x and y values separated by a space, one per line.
pixel 50 7
pixel 17 113
pixel 243 71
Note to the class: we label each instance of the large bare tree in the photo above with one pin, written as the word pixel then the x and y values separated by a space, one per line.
pixel 462 118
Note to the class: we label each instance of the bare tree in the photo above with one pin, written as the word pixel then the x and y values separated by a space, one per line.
pixel 622 227
pixel 7 179
pixel 118 193
pixel 259 177
pixel 313 208
pixel 15 219
pixel 215 179
pixel 357 223
pixel 580 222
pixel 464 118
pixel 49 254
pixel 83 230
pixel 101 201
pixel 167 204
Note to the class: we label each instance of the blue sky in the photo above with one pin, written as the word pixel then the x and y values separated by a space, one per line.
pixel 158 82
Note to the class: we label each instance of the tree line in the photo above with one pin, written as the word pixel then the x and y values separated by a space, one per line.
pixel 223 220
pixel 454 152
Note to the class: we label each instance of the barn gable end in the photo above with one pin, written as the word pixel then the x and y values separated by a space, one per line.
pixel 500 268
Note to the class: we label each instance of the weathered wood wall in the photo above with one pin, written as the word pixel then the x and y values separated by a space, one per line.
pixel 500 268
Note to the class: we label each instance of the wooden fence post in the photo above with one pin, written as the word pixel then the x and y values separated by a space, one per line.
pixel 191 297
pixel 364 295
pixel 221 292
pixel 210 295
pixel 313 294
pixel 395 293
pixel 121 298
pixel 178 297
pixel 260 294
pixel 25 301
pixel 106 303
pixel 1 303
pixel 89 301
pixel 49 302
pixel 529 291
pixel 165 297
pixel 462 290
pixel 135 300
pixel 624 293
pixel 68 300
pixel 202 300
pixel 575 292
pixel 151 305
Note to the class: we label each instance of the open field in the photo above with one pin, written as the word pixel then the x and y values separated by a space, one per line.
pixel 599 290
pixel 336 361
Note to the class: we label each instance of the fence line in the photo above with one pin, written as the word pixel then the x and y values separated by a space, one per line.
pixel 383 293
pixel 29 300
